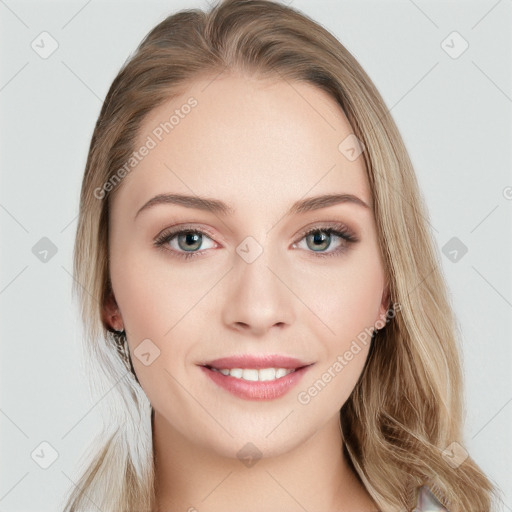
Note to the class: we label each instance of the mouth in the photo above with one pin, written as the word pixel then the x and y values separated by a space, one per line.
pixel 256 378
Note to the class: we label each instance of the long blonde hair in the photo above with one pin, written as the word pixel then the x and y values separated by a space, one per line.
pixel 407 406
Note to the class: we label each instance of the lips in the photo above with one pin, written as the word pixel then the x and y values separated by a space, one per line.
pixel 239 375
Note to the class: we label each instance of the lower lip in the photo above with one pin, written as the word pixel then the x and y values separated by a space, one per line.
pixel 256 390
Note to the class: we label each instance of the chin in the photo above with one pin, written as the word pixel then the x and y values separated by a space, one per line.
pixel 248 444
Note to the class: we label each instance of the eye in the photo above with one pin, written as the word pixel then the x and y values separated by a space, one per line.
pixel 321 238
pixel 183 242
pixel 186 242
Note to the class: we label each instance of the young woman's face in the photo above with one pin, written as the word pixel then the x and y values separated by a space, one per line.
pixel 245 280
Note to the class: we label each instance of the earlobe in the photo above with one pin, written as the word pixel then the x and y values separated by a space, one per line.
pixel 110 314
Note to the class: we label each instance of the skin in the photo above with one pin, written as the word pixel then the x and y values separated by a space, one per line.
pixel 258 145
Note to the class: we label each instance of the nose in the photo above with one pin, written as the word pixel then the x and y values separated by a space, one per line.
pixel 256 297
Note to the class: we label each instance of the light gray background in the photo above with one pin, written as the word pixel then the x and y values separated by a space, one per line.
pixel 455 117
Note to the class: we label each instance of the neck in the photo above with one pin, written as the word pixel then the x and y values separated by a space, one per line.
pixel 314 476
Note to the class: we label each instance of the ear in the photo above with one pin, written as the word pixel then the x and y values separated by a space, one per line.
pixel 110 314
pixel 385 304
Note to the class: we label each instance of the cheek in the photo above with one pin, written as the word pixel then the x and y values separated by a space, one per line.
pixel 152 295
pixel 152 309
pixel 347 305
pixel 346 298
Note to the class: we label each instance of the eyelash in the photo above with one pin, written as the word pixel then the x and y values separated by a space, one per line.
pixel 339 230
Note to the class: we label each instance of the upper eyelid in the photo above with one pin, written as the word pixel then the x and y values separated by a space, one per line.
pixel 326 226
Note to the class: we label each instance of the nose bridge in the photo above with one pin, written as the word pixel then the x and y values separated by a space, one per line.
pixel 253 264
pixel 257 299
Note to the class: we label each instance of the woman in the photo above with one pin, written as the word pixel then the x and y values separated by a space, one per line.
pixel 259 284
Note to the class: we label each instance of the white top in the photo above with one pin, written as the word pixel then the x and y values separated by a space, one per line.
pixel 427 502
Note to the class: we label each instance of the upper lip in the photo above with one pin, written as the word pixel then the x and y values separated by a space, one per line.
pixel 257 362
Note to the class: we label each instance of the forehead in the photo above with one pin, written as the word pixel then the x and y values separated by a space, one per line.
pixel 245 140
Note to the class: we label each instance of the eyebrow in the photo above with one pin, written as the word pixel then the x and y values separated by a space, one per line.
pixel 216 206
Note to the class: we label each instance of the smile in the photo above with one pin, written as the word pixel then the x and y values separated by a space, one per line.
pixel 256 384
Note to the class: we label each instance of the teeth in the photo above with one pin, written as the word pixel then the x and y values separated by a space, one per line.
pixel 267 374
pixel 255 375
pixel 281 372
